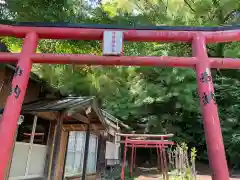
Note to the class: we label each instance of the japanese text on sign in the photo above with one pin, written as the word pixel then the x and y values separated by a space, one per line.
pixel 16 91
pixel 205 77
pixel 206 98
pixel 18 71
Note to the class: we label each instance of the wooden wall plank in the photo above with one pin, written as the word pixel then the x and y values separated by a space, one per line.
pixel 82 127
pixel 49 148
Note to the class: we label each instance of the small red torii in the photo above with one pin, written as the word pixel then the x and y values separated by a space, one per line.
pixel 159 142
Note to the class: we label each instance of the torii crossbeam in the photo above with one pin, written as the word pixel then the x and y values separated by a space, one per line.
pixel 200 62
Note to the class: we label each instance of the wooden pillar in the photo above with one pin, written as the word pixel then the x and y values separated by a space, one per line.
pixel 49 154
pixel 84 172
pixel 124 159
pixel 56 148
pixel 101 161
pixel 100 139
pixel 66 137
pixel 59 173
pixel 132 160
pixel 158 158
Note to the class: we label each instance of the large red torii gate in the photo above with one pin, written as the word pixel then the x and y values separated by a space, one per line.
pixel 198 37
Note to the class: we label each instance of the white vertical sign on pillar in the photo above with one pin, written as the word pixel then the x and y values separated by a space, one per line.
pixel 112 43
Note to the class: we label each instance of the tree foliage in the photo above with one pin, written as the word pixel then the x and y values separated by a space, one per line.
pixel 150 99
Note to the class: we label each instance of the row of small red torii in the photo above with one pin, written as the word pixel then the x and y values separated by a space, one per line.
pixel 200 62
pixel 159 142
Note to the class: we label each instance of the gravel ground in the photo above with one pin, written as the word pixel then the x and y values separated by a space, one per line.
pixel 202 170
pixel 207 177
pixel 154 177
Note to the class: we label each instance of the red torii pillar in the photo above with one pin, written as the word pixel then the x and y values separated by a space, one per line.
pixel 212 128
pixel 13 106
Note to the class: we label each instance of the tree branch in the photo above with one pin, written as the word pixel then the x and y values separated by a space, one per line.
pixel 220 50
pixel 189 6
pixel 226 18
pixel 210 48
pixel 215 2
pixel 218 11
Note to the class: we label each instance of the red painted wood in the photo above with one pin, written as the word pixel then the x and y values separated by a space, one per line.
pixel 147 145
pixel 103 60
pixel 213 134
pixel 219 63
pixel 153 142
pixel 158 158
pixel 13 105
pixel 132 160
pixel 129 35
pixel 124 160
pixel 201 62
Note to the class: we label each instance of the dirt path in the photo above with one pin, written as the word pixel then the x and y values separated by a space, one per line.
pixel 153 174
pixel 207 177
pixel 203 172
pixel 159 177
